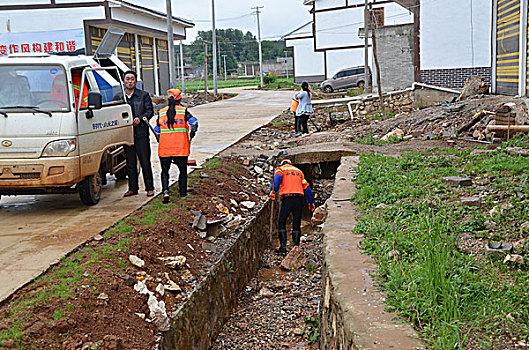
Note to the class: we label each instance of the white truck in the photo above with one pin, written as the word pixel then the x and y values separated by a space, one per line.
pixel 63 124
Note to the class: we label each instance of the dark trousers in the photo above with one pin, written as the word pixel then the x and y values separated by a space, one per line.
pixel 141 149
pixel 297 125
pixel 289 205
pixel 304 120
pixel 181 163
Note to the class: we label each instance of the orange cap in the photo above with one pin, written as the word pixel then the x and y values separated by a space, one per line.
pixel 176 93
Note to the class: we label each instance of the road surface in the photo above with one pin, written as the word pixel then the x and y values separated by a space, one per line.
pixel 37 231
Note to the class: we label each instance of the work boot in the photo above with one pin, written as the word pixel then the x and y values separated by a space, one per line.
pixel 296 236
pixel 282 249
pixel 165 196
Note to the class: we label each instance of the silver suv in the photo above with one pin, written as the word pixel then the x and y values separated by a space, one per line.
pixel 346 78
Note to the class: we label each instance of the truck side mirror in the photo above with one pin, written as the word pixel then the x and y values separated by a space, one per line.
pixel 95 101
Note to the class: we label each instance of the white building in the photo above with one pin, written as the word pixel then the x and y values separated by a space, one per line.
pixel 455 40
pixel 78 26
pixel 452 38
pixel 331 41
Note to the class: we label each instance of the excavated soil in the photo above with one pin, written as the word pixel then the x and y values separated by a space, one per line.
pixel 94 307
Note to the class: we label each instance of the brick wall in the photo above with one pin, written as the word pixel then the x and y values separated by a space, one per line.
pixel 454 78
pixel 395 56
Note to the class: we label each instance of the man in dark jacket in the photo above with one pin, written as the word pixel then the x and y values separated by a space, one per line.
pixel 141 105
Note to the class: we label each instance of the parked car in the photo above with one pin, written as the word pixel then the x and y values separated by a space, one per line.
pixel 346 78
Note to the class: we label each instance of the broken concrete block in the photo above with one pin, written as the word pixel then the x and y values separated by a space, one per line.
pixel 514 258
pixel 174 262
pixel 471 201
pixel 319 215
pixel 498 249
pixel 294 260
pixel 248 204
pixel 134 260
pixel 209 247
pixel 395 134
pixel 457 181
pixel 199 222
pixel 518 150
pixel 267 293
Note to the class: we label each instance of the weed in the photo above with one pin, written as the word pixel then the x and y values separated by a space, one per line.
pixel 122 264
pixel 229 266
pixel 58 314
pixel 428 280
pixel 311 329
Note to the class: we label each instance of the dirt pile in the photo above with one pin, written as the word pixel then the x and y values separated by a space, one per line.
pixel 191 99
pixel 88 299
pixel 464 120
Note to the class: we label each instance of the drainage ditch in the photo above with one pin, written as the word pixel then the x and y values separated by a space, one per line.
pixel 246 301
pixel 279 309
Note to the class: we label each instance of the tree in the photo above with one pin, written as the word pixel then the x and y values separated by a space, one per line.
pixel 236 45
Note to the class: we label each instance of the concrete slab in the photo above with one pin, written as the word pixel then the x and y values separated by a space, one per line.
pixel 36 231
pixel 353 315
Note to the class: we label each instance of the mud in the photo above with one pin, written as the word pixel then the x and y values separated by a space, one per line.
pixel 82 302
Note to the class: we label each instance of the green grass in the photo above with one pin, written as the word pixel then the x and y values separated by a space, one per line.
pixel 448 294
pixel 377 115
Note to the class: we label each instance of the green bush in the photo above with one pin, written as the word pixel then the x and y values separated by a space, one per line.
pixel 269 79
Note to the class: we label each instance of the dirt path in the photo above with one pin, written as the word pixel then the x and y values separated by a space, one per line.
pixel 36 231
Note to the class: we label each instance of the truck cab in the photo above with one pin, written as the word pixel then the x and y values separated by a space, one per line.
pixel 63 123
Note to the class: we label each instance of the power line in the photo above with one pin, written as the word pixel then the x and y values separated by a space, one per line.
pixel 224 19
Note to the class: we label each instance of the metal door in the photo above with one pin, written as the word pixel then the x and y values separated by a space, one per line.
pixel 508 47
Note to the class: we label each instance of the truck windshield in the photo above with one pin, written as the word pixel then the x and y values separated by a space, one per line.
pixel 41 87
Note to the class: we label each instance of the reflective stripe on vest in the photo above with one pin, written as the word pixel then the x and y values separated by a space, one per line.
pixel 293 180
pixel 174 142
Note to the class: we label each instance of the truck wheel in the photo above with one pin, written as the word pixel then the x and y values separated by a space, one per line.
pixel 328 89
pixel 90 189
pixel 361 85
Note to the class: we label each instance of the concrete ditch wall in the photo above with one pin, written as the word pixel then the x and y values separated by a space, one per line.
pixel 352 312
pixel 208 308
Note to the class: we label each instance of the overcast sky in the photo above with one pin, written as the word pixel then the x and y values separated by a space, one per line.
pixel 278 17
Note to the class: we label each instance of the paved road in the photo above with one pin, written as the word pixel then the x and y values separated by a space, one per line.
pixel 36 231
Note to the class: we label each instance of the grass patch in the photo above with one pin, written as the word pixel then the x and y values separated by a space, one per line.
pixel 377 115
pixel 451 296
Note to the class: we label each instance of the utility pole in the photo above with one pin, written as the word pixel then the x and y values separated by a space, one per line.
pixel 214 53
pixel 286 62
pixel 206 66
pixel 182 72
pixel 374 41
pixel 367 81
pixel 257 12
pixel 225 77
pixel 170 43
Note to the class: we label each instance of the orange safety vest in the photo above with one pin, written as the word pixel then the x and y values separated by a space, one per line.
pixel 76 82
pixel 174 142
pixel 293 181
pixel 294 105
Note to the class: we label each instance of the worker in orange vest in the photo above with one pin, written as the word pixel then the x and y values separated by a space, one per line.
pixel 176 127
pixel 292 186
pixel 76 82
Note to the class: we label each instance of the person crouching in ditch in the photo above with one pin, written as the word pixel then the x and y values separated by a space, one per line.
pixel 292 186
pixel 176 127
